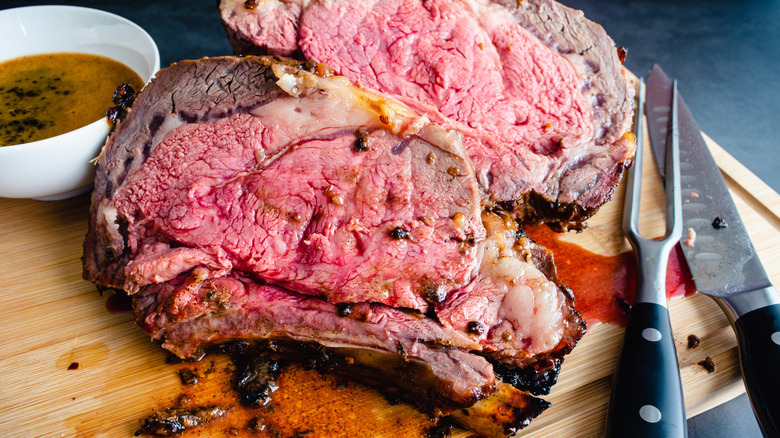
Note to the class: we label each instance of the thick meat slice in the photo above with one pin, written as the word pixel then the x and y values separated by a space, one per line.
pixel 537 90
pixel 190 314
pixel 328 191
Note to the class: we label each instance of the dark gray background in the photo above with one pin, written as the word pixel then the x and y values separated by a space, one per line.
pixel 725 55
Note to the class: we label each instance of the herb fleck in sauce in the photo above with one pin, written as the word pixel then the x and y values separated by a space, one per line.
pixel 43 96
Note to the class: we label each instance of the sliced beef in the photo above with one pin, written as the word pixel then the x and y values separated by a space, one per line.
pixel 237 308
pixel 407 355
pixel 536 89
pixel 328 191
pixel 266 200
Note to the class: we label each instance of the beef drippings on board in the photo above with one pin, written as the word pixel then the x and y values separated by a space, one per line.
pixel 303 403
pixel 605 285
pixel 119 302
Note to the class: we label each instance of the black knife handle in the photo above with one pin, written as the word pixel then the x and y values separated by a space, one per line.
pixel 758 333
pixel 647 398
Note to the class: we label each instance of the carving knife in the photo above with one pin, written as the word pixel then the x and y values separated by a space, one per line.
pixel 721 257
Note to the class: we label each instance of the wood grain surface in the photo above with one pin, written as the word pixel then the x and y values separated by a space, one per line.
pixel 51 318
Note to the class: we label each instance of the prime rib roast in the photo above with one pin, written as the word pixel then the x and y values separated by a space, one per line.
pixel 251 198
pixel 537 90
pixel 370 223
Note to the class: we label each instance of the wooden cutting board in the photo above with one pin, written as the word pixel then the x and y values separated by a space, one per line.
pixel 52 318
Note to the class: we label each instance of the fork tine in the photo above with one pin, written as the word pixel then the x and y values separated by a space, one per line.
pixel 634 176
pixel 672 165
pixel 672 185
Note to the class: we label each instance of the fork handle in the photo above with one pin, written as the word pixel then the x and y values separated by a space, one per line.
pixel 647 398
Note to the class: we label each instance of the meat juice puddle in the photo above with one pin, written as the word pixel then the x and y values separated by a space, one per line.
pixel 604 286
pixel 304 403
pixel 119 302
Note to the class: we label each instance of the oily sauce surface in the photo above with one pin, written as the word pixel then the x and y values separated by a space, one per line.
pixel 305 403
pixel 46 95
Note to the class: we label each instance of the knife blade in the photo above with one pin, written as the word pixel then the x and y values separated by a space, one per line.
pixel 721 257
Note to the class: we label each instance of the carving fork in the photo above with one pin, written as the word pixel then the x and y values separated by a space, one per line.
pixel 647 398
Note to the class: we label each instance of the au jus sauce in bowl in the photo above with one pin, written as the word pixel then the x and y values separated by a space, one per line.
pixel 46 95
pixel 56 164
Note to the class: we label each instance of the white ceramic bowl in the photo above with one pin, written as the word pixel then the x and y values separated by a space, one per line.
pixel 59 167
